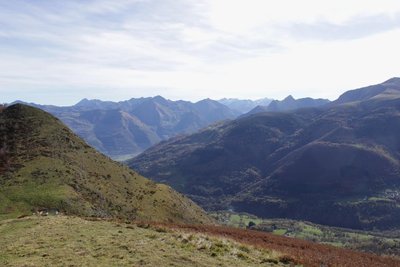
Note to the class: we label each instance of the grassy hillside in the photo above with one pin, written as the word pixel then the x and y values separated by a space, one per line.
pixel 343 158
pixel 46 166
pixel 71 241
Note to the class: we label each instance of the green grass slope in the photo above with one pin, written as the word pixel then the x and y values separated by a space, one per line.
pixel 72 241
pixel 44 165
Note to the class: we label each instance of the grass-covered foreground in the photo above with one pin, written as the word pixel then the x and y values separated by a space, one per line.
pixel 72 241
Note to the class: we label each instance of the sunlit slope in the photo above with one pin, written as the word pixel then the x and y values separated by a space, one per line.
pixel 45 165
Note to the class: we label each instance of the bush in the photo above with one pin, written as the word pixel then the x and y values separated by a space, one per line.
pixel 286 259
pixel 251 224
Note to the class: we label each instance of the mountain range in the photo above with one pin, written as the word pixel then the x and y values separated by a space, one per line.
pixel 124 129
pixel 289 103
pixel 244 105
pixel 44 166
pixel 337 164
pixel 93 211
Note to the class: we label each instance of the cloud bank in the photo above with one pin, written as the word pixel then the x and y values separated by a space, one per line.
pixel 61 51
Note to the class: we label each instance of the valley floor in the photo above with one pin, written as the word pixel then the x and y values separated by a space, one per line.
pixel 377 242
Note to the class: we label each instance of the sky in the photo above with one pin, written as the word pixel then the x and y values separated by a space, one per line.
pixel 58 51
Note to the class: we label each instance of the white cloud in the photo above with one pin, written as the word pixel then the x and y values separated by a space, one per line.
pixel 61 51
pixel 243 15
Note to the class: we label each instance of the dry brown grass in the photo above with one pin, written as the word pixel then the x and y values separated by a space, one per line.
pixel 76 241
pixel 73 241
pixel 298 251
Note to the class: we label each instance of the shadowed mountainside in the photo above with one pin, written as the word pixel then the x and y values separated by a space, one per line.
pixel 45 166
pixel 342 158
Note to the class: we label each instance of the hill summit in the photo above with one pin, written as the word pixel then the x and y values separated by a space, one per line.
pixel 45 166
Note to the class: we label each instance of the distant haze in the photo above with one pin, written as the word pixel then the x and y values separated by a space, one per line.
pixel 58 52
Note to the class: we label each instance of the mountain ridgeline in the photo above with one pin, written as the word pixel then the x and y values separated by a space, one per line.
pixel 244 105
pixel 43 165
pixel 289 103
pixel 338 164
pixel 126 128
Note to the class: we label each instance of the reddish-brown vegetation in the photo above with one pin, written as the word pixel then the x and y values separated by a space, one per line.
pixel 294 250
pixel 299 251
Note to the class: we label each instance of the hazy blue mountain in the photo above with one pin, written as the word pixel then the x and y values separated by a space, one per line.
pixel 244 105
pixel 338 164
pixel 126 128
pixel 289 103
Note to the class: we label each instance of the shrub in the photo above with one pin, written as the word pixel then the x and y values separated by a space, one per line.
pixel 286 259
pixel 251 224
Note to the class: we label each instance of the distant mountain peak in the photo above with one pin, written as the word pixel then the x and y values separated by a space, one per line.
pixel 207 100
pixel 158 97
pixel 84 102
pixel 289 98
pixel 394 80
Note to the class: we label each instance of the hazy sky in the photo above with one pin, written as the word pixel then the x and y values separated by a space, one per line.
pixel 59 51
